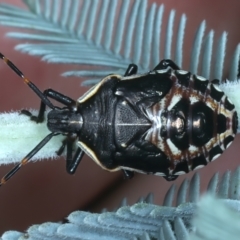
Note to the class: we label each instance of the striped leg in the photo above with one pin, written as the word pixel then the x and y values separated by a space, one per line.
pixel 26 159
pixel 27 81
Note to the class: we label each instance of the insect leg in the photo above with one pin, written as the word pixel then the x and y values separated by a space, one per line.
pixel 61 149
pixel 131 70
pixel 171 177
pixel 127 174
pixel 71 162
pixel 26 159
pixel 215 81
pixel 59 97
pixel 165 63
pixel 27 81
pixel 67 101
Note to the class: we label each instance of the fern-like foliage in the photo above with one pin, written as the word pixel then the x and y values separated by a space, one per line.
pixel 143 220
pixel 111 34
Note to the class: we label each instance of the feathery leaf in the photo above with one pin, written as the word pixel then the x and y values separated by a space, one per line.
pixel 145 220
pixel 83 32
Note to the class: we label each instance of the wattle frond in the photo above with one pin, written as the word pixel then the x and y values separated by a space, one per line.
pixel 144 220
pixel 112 34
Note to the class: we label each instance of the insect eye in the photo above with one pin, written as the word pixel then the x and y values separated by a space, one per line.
pixel 199 124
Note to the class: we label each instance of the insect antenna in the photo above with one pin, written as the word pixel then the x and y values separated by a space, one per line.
pixel 27 81
pixel 26 159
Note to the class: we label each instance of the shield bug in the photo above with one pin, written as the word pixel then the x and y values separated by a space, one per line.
pixel 165 122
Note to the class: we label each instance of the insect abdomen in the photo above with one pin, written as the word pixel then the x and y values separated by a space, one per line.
pixel 193 124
